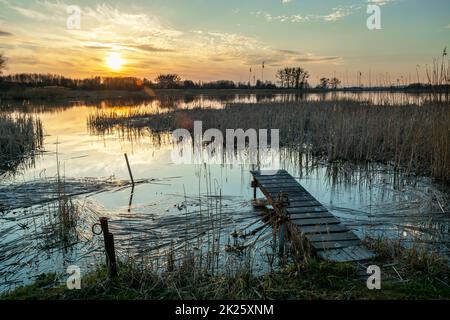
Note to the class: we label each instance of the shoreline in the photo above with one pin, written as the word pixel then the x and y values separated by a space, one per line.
pixel 417 275
pixel 59 93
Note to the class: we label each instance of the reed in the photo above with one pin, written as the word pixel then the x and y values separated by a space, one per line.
pixel 411 138
pixel 20 138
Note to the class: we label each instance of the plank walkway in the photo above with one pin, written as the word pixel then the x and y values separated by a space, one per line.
pixel 327 236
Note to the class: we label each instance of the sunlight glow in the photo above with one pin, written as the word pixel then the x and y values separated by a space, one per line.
pixel 114 61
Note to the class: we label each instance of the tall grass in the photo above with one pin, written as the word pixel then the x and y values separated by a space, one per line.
pixel 414 139
pixel 20 138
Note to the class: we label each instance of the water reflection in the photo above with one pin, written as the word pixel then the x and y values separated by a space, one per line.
pixel 180 100
pixel 372 199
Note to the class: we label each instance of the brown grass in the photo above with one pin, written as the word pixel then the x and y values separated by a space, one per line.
pixel 411 138
pixel 20 138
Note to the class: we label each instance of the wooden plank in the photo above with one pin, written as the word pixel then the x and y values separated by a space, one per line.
pixel 266 172
pixel 305 197
pixel 310 215
pixel 335 244
pixel 337 236
pixel 327 235
pixel 271 176
pixel 303 203
pixel 270 179
pixel 316 222
pixel 291 210
pixel 335 255
pixel 324 229
pixel 360 253
pixel 283 184
pixel 295 189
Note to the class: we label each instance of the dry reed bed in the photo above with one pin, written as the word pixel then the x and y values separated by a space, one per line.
pixel 410 137
pixel 20 138
pixel 35 192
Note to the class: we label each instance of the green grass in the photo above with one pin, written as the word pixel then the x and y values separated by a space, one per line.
pixel 406 274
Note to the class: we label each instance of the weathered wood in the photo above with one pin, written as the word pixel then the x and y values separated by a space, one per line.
pixel 337 236
pixel 327 236
pixel 129 169
pixel 335 244
pixel 293 210
pixel 316 222
pixel 303 203
pixel 324 229
pixel 309 215
pixel 277 189
pixel 109 248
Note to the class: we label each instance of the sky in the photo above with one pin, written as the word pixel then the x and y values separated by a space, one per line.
pixel 222 39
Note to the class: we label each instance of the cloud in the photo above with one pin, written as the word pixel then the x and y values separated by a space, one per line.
pixel 150 48
pixel 380 2
pixel 148 45
pixel 5 33
pixel 336 14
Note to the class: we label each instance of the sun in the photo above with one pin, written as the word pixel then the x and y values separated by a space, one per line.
pixel 114 61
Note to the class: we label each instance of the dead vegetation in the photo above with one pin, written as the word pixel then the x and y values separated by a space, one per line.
pixel 20 138
pixel 411 138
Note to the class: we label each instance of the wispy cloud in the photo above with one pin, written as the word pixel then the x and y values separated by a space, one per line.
pixel 5 33
pixel 148 45
pixel 336 14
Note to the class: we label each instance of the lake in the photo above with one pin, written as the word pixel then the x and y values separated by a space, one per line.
pixel 184 203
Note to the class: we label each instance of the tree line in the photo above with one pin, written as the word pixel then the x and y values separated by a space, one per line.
pixel 288 77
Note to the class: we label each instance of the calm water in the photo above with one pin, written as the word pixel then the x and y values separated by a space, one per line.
pixel 182 202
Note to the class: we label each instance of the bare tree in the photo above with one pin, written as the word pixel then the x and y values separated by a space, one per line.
pixel 324 83
pixel 292 77
pixel 2 63
pixel 301 77
pixel 168 81
pixel 335 83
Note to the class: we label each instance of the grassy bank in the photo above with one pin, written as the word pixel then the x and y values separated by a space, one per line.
pixel 412 138
pixel 20 138
pixel 405 274
pixel 63 94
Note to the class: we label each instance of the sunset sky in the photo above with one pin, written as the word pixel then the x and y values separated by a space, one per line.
pixel 212 39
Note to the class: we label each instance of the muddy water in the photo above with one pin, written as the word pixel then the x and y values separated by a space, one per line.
pixel 208 207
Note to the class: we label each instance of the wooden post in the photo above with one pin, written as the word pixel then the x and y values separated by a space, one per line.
pixel 129 168
pixel 254 185
pixel 282 202
pixel 281 237
pixel 109 248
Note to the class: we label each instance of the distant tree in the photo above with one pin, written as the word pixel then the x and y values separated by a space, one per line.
pixel 301 77
pixel 324 83
pixel 2 63
pixel 168 81
pixel 292 77
pixel 189 84
pixel 335 83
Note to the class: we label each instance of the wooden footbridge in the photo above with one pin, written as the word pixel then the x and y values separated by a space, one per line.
pixel 310 222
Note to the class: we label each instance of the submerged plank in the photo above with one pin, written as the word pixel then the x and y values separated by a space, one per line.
pixel 317 209
pixel 335 245
pixel 310 215
pixel 323 229
pixel 329 238
pixel 336 236
pixel 316 222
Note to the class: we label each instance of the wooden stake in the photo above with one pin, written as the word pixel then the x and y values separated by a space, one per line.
pixel 109 248
pixel 129 169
